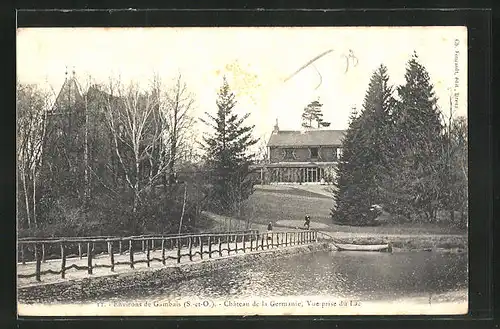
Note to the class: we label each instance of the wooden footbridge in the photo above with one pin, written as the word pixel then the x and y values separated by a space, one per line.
pixel 54 259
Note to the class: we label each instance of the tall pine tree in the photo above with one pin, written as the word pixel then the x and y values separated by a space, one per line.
pixel 227 154
pixel 365 158
pixel 413 183
pixel 313 114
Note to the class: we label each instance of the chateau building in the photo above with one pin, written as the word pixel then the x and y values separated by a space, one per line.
pixel 302 156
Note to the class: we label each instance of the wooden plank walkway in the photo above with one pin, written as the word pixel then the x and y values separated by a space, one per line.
pixel 109 264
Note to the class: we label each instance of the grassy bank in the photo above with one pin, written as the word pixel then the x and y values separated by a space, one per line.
pixel 286 206
pixel 401 243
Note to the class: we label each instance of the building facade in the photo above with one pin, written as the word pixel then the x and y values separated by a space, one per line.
pixel 301 156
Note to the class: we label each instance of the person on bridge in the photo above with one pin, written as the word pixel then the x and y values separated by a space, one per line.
pixel 269 229
pixel 307 223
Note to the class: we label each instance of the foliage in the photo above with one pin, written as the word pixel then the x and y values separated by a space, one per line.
pixel 227 155
pixel 31 105
pixel 401 155
pixel 106 155
pixel 364 158
pixel 313 113
pixel 412 185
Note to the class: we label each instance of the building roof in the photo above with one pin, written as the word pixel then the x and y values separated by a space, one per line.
pixel 69 96
pixel 298 138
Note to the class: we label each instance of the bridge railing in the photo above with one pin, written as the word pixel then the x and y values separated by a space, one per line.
pixel 173 247
pixel 27 246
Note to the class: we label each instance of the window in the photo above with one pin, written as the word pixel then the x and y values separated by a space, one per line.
pixel 288 154
pixel 314 152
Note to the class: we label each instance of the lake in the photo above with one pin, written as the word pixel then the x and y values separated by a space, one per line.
pixel 367 276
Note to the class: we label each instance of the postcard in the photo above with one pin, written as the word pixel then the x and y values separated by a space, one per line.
pixel 242 171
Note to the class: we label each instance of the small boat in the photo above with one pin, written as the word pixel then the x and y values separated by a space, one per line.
pixel 363 247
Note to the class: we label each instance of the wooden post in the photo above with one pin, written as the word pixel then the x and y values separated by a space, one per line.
pixel 146 242
pixel 209 247
pixel 111 255
pixel 272 240
pixel 178 250
pixel 286 239
pixel 89 257
pixel 251 241
pixel 190 242
pixel 143 247
pixel 38 264
pixel 23 261
pixel 220 246
pixel 262 241
pixel 120 247
pixel 243 241
pixel 63 260
pixel 43 252
pixel 201 246
pixel 131 253
pixel 236 243
pixel 267 240
pixel 228 245
pixel 163 260
pixel 153 244
pixel 80 250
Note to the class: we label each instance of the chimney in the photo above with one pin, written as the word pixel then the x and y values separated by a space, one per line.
pixel 276 128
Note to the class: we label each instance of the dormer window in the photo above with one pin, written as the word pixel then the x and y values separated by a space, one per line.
pixel 314 152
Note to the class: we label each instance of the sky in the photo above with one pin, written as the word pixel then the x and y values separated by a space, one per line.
pixel 256 61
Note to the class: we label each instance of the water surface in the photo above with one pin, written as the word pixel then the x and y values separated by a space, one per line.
pixel 363 275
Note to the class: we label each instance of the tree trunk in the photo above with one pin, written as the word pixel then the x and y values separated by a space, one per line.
pixel 136 183
pixel 86 161
pixel 26 199
pixel 34 197
pixel 183 207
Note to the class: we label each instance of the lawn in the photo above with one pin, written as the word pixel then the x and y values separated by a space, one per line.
pixel 287 206
pixel 266 206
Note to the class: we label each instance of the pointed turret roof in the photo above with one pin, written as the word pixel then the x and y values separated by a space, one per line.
pixel 70 96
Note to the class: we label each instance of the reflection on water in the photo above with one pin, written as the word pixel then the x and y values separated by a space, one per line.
pixel 370 276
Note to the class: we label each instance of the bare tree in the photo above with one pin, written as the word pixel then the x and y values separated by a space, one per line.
pixel 32 105
pixel 176 107
pixel 262 151
pixel 134 121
